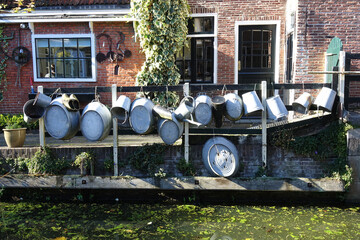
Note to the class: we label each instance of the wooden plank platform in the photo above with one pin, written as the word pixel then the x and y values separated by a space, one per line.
pixel 172 183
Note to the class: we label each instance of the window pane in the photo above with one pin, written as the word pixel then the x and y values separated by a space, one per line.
pixel 57 65
pixel 56 48
pixel 179 65
pixel 187 50
pixel 257 48
pixel 256 61
pixel 71 68
pixel 209 48
pixel 199 71
pixel 267 48
pixel 267 35
pixel 187 70
pixel 84 47
pixel 70 46
pixel 201 25
pixel 42 48
pixel 199 49
pixel 246 48
pixel 267 62
pixel 257 35
pixel 43 68
pixel 85 68
pixel 208 71
pixel 246 35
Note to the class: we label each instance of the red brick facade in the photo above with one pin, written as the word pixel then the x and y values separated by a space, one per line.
pixel 15 97
pixel 317 23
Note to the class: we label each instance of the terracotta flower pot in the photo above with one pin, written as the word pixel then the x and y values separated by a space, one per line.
pixel 15 137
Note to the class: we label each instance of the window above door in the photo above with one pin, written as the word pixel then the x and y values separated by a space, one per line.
pixel 64 58
pixel 197 61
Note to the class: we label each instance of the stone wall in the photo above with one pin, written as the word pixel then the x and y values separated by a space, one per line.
pixel 353 141
pixel 280 163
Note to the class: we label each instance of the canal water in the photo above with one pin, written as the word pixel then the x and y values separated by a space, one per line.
pixel 60 221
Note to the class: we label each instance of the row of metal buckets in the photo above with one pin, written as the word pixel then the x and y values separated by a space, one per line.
pixel 62 117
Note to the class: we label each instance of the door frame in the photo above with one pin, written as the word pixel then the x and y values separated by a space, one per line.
pixel 277 46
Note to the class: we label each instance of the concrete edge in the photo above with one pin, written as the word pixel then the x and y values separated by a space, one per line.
pixel 173 183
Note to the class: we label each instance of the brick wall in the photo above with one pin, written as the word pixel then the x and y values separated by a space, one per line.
pixel 319 22
pixel 15 97
pixel 238 10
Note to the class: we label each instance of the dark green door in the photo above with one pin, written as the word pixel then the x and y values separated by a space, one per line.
pixel 256 61
pixel 332 57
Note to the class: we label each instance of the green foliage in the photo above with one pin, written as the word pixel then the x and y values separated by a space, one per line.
pixel 84 161
pixel 147 158
pixel 10 165
pixel 162 30
pixel 4 44
pixel 331 142
pixel 186 168
pixel 44 162
pixel 16 119
pixel 109 165
pixel 261 172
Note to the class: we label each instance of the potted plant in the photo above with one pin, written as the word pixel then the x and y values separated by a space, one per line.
pixel 14 135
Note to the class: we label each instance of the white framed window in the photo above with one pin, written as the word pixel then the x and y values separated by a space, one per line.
pixel 197 62
pixel 64 58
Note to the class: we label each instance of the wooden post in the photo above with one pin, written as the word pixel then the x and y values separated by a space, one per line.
pixel 41 123
pixel 186 90
pixel 263 123
pixel 115 132
pixel 341 90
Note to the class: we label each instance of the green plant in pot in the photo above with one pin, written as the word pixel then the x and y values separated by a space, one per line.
pixel 14 135
pixel 85 161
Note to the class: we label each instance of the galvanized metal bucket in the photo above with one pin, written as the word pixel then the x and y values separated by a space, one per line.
pixel 170 130
pixel 95 121
pixel 220 157
pixel 185 108
pixel 32 112
pixel 252 103
pixel 218 103
pixel 233 107
pixel 276 108
pixel 61 123
pixel 303 103
pixel 42 100
pixel 162 112
pixel 203 109
pixel 141 116
pixel 121 108
pixel 325 99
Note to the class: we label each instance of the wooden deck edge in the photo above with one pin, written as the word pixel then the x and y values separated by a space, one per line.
pixel 173 183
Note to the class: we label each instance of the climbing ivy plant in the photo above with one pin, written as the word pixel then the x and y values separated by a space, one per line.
pixel 3 82
pixel 161 27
